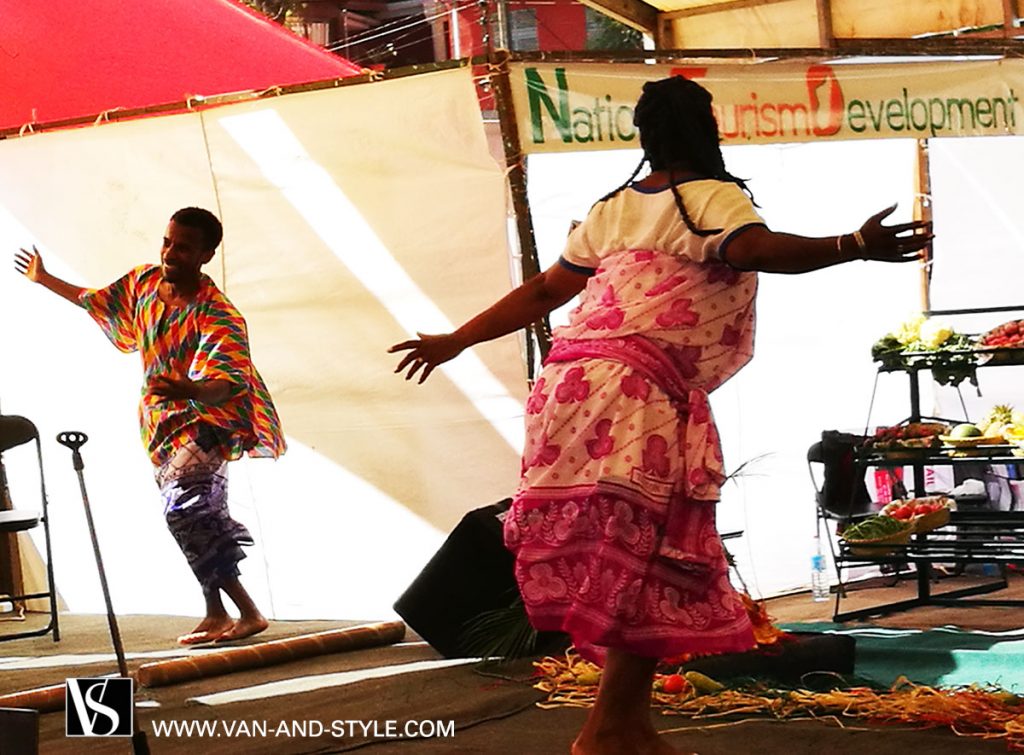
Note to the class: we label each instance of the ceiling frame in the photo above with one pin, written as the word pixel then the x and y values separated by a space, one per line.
pixel 646 18
pixel 844 48
pixel 703 10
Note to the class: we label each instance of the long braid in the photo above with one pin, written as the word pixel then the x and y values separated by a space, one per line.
pixel 636 172
pixel 682 207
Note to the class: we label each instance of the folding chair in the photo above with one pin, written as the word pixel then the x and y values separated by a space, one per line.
pixel 840 493
pixel 15 431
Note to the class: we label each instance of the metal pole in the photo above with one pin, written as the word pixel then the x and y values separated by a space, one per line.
pixel 74 441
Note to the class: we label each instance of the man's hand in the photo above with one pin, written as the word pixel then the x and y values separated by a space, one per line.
pixel 173 386
pixel 30 264
pixel 177 386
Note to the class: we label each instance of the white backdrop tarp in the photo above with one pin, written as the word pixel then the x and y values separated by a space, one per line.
pixel 353 217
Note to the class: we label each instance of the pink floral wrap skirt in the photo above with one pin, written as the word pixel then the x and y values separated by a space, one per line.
pixel 613 526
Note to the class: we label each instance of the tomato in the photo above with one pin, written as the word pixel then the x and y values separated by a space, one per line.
pixel 674 684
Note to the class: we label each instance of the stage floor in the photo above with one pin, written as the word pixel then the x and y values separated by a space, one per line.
pixel 492 709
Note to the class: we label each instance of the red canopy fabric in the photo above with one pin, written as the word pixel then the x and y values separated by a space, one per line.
pixel 68 58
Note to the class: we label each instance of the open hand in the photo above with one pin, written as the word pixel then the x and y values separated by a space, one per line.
pixel 426 352
pixel 894 243
pixel 29 264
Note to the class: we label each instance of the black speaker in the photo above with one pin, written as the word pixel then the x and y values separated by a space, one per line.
pixel 19 731
pixel 471 574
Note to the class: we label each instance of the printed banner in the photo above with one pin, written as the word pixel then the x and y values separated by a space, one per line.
pixel 573 107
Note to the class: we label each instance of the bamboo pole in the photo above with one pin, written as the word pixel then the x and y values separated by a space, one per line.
pixel 162 673
pixel 42 699
pixel 923 211
pixel 515 161
pixel 259 655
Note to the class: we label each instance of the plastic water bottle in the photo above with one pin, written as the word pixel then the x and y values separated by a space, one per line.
pixel 819 578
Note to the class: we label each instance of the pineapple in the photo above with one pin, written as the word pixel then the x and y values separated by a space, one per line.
pixel 998 419
pixel 1015 430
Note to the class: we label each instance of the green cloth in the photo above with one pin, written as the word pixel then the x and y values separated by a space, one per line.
pixel 944 656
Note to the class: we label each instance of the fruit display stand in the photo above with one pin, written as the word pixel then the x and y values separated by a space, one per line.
pixel 986 537
pixel 978 537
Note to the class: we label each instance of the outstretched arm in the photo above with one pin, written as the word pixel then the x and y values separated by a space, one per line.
pixel 516 310
pixel 30 264
pixel 758 248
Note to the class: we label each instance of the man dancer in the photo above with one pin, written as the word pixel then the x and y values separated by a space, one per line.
pixel 203 403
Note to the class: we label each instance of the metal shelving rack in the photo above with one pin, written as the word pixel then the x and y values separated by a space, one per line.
pixel 987 537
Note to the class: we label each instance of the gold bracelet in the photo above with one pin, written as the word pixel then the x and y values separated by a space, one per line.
pixel 859 238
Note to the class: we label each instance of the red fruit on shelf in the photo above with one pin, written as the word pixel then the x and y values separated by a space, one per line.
pixel 674 684
pixel 1009 334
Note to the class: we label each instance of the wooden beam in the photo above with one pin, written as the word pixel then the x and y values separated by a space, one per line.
pixel 936 45
pixel 923 47
pixel 718 8
pixel 633 13
pixel 1009 17
pixel 826 35
pixel 663 39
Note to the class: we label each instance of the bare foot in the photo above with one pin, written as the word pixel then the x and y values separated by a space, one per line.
pixel 208 630
pixel 246 626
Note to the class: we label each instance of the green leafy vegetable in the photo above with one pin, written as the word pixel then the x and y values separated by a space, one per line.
pixel 874 527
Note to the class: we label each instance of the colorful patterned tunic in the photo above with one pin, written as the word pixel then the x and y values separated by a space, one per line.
pixel 613 526
pixel 205 339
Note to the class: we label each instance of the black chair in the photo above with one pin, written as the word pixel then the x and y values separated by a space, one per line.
pixel 16 431
pixel 840 493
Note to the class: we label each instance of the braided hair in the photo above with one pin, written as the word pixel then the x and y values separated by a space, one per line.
pixel 678 131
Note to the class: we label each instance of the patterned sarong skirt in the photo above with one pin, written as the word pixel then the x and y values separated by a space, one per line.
pixel 194 486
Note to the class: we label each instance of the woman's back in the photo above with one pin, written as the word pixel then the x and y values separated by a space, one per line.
pixel 655 278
